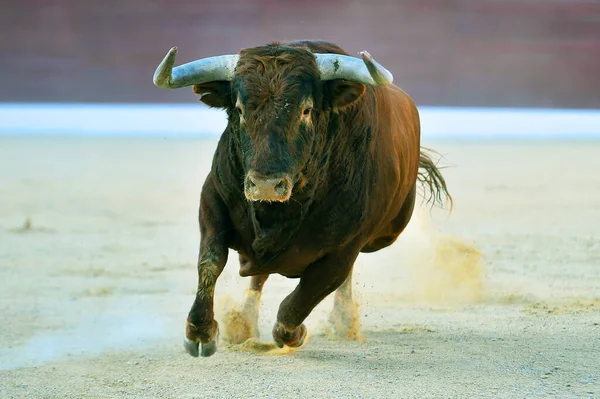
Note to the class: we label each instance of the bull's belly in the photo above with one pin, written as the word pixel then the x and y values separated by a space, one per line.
pixel 289 263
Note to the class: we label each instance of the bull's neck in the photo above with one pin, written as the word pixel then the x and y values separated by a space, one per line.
pixel 276 223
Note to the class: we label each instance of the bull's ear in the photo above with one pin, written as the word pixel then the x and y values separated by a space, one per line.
pixel 214 94
pixel 344 92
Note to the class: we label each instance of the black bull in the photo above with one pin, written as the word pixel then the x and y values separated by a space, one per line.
pixel 319 161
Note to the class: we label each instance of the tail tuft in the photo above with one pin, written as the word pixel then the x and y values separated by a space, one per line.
pixel 434 184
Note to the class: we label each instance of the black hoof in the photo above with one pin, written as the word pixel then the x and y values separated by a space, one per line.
pixel 208 349
pixel 191 347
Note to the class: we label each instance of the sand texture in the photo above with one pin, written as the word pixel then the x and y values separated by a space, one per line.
pixel 98 246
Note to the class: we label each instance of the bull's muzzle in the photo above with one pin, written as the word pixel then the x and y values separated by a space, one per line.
pixel 258 187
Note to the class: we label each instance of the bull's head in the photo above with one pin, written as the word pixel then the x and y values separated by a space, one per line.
pixel 276 99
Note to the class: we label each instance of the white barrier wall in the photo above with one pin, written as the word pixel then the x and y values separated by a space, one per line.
pixel 199 120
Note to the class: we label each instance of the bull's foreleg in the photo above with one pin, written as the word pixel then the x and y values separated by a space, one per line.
pixel 344 317
pixel 318 280
pixel 201 327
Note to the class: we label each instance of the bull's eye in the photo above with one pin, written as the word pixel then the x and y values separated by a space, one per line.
pixel 306 106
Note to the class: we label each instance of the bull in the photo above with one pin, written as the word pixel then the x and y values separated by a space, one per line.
pixel 320 161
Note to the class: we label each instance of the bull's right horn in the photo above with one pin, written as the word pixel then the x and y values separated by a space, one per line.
pixel 366 71
pixel 209 69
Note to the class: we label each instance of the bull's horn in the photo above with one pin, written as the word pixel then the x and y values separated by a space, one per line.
pixel 200 71
pixel 366 71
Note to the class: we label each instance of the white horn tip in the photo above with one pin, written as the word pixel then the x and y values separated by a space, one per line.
pixel 162 75
pixel 381 75
pixel 365 54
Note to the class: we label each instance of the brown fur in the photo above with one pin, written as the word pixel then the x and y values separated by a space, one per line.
pixel 355 169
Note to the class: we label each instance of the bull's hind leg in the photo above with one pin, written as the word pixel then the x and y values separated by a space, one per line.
pixel 318 280
pixel 201 327
pixel 242 324
pixel 251 307
pixel 344 317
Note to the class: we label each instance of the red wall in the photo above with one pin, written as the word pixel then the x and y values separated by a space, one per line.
pixel 543 53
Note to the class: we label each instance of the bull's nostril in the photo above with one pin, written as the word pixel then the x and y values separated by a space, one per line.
pixel 281 186
pixel 267 188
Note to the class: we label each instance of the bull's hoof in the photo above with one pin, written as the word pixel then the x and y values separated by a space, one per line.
pixel 209 349
pixel 203 349
pixel 292 339
pixel 191 347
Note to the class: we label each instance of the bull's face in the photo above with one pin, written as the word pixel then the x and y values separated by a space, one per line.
pixel 276 105
pixel 275 140
pixel 277 99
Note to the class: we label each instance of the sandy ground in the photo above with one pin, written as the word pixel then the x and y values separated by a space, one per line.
pixel 98 245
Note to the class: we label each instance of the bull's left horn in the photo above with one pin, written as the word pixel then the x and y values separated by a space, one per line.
pixel 209 69
pixel 366 71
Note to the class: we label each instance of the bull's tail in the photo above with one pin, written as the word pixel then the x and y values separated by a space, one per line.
pixel 434 184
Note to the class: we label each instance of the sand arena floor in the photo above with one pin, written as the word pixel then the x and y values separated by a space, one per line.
pixel 98 245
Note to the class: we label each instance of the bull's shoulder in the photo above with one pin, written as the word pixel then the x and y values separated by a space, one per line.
pixel 397 108
pixel 226 171
pixel 397 96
